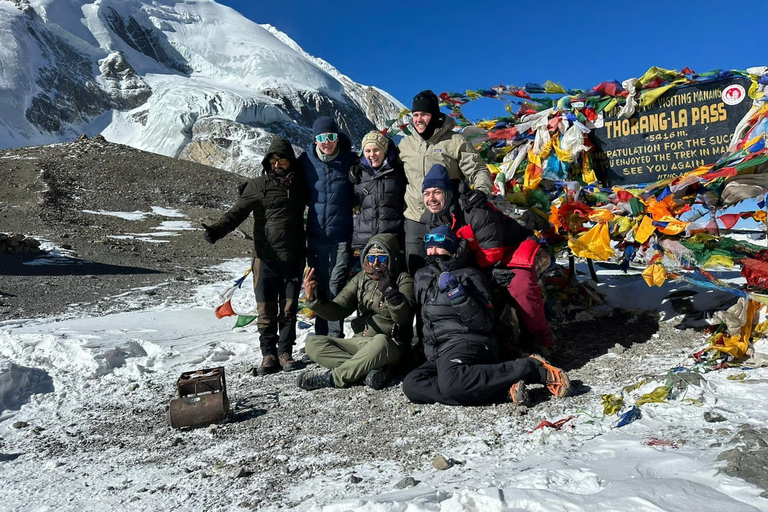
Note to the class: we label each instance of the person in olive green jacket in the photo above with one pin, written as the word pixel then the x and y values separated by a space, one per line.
pixel 433 141
pixel 383 297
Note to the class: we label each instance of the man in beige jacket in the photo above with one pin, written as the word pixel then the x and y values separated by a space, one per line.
pixel 433 141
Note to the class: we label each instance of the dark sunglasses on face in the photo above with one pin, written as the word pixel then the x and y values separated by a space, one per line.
pixel 330 137
pixel 371 258
pixel 281 161
pixel 436 237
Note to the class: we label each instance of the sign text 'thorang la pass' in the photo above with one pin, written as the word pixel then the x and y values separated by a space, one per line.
pixel 686 127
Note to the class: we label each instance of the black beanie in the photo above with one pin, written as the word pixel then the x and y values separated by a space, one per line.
pixel 324 124
pixel 426 101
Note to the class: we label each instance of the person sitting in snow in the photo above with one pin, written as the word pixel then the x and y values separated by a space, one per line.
pixel 382 295
pixel 458 317
pixel 277 200
pixel 503 248
pixel 379 183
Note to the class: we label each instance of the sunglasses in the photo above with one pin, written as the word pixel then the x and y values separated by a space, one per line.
pixel 330 137
pixel 434 237
pixel 371 258
pixel 281 161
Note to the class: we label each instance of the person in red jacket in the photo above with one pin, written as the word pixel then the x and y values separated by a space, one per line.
pixel 502 247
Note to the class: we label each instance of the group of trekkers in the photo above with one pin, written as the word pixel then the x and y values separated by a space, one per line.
pixel 430 246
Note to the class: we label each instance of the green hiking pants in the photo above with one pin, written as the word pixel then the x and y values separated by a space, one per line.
pixel 352 358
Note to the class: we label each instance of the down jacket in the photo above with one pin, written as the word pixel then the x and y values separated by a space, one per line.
pixel 448 322
pixel 380 194
pixel 375 315
pixel 329 220
pixel 278 210
pixel 492 236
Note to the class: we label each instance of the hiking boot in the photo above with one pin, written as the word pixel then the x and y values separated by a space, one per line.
pixel 518 395
pixel 288 363
pixel 268 365
pixel 315 379
pixel 377 379
pixel 558 382
pixel 305 359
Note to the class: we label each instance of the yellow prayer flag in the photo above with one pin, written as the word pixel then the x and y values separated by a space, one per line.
pixel 644 230
pixel 594 244
pixel 654 275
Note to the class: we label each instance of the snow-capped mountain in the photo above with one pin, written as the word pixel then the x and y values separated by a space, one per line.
pixel 190 79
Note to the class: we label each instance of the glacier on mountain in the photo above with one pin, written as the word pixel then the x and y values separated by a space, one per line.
pixel 191 79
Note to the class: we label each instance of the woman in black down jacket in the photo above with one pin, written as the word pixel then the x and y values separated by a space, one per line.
pixel 379 181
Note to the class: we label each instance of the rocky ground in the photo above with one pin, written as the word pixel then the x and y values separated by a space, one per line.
pixel 278 436
pixel 44 194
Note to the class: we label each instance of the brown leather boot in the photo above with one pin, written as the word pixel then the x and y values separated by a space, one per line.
pixel 288 363
pixel 268 365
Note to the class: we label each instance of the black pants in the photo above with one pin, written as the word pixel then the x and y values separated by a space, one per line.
pixel 468 374
pixel 415 253
pixel 276 285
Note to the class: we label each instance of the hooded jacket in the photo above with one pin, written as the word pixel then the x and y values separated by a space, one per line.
pixel 444 147
pixel 375 315
pixel 380 194
pixel 449 322
pixel 278 210
pixel 329 220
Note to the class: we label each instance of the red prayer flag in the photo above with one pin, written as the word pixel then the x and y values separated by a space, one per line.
pixel 225 310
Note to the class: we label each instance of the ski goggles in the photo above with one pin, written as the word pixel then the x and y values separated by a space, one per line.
pixel 323 137
pixel 434 237
pixel 371 258
pixel 281 161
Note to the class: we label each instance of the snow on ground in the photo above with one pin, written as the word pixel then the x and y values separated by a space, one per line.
pixel 71 370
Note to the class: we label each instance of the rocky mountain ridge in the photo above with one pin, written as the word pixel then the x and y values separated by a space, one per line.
pixel 193 80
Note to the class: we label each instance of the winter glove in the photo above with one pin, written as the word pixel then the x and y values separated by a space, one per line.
pixel 502 276
pixel 210 234
pixel 354 174
pixel 476 198
pixel 388 286
pixel 449 284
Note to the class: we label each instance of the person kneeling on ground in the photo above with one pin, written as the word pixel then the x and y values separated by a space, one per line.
pixel 383 298
pixel 459 343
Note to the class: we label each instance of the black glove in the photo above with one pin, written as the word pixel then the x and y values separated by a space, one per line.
pixel 502 276
pixel 210 234
pixel 476 198
pixel 354 174
pixel 388 286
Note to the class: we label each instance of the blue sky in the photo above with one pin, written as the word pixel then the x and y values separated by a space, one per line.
pixel 406 46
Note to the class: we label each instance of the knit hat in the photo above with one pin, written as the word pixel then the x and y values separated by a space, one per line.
pixel 377 250
pixel 376 138
pixel 324 124
pixel 441 236
pixel 426 101
pixel 437 177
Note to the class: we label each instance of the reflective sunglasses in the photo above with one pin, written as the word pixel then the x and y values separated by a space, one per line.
pixel 371 258
pixel 281 161
pixel 434 237
pixel 330 137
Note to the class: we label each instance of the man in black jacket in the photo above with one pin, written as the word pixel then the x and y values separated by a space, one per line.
pixel 277 199
pixel 459 343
